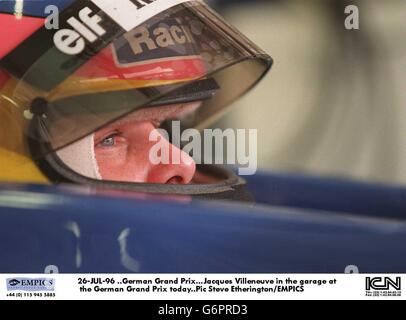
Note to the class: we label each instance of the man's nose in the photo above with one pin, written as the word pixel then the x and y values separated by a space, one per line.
pixel 180 169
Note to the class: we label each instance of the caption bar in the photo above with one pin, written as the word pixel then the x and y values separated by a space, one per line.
pixel 201 286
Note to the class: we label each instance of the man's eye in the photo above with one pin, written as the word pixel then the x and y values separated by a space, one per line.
pixel 108 142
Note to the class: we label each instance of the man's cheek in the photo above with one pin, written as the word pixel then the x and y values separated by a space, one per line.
pixel 113 153
pixel 110 160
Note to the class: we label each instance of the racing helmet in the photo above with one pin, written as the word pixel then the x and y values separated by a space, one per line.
pixel 65 75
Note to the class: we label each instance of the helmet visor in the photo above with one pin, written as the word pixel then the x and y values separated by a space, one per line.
pixel 184 54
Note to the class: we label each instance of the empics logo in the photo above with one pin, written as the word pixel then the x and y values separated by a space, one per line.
pixel 383 286
pixel 13 282
pixel 30 284
pixel 87 27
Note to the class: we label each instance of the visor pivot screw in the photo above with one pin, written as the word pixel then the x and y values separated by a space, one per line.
pixel 28 115
pixel 39 106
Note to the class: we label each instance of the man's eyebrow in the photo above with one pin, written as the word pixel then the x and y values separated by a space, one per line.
pixel 156 114
pixel 144 115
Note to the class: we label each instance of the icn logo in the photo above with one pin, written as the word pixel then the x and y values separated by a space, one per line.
pixel 383 286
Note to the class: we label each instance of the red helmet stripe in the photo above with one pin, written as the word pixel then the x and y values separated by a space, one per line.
pixel 20 28
pixel 104 65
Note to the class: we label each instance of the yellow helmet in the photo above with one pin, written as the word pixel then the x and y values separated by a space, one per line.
pixel 107 59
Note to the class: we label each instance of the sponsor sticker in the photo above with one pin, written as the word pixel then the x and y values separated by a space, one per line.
pixel 131 13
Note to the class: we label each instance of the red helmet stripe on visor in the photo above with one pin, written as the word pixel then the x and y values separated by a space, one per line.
pixel 3 78
pixel 21 28
pixel 105 65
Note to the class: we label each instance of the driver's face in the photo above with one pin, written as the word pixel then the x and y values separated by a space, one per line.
pixel 122 149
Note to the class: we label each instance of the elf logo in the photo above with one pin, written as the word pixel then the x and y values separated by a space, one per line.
pixel 125 13
pixel 87 27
